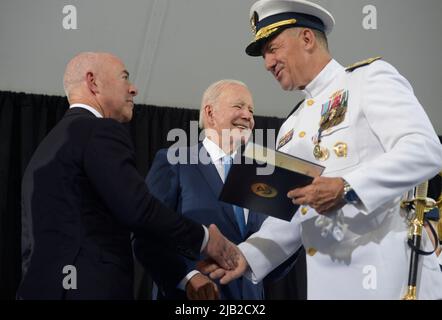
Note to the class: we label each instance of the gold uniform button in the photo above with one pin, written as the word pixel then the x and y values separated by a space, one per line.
pixel 310 102
pixel 302 134
pixel 341 149
pixel 304 211
pixel 311 252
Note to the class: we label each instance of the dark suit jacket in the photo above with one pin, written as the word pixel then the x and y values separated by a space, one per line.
pixel 193 190
pixel 82 196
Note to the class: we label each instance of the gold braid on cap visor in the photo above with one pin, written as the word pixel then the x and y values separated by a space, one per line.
pixel 271 28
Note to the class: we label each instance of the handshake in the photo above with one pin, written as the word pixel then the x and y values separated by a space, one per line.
pixel 225 262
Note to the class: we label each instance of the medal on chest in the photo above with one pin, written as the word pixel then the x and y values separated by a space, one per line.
pixel 332 114
pixel 321 153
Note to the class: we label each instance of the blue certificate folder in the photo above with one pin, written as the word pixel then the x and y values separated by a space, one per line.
pixel 260 179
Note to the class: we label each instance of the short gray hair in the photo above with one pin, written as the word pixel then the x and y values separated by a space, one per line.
pixel 212 94
pixel 77 68
pixel 321 38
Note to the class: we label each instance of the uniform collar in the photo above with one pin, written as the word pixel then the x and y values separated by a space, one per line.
pixel 323 80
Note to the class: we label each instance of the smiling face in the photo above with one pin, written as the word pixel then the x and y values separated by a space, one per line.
pixel 116 91
pixel 230 116
pixel 285 56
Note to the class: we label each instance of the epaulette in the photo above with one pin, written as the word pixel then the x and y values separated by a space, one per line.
pixel 359 64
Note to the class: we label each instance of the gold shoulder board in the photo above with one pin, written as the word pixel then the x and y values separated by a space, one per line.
pixel 363 63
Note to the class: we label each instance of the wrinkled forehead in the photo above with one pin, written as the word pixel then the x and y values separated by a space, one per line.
pixel 237 94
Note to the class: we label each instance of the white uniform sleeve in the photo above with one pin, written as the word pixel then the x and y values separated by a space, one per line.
pixel 266 249
pixel 413 152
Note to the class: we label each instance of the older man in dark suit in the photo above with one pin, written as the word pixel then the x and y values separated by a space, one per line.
pixel 192 186
pixel 82 196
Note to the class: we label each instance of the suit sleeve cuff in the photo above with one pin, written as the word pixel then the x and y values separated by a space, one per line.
pixel 206 238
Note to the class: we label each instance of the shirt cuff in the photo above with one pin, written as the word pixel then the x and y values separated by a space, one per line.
pixel 206 238
pixel 183 283
pixel 254 265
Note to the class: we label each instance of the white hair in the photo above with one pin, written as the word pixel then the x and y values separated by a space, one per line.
pixel 212 94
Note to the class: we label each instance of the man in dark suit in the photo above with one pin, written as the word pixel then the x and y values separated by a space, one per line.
pixel 82 196
pixel 192 187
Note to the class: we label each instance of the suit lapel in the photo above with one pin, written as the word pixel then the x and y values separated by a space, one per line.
pixel 213 179
pixel 209 172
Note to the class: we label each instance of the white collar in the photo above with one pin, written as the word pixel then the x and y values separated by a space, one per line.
pixel 85 106
pixel 215 152
pixel 323 79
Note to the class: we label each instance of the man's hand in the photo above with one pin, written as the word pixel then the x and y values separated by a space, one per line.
pixel 323 194
pixel 221 250
pixel 200 287
pixel 210 267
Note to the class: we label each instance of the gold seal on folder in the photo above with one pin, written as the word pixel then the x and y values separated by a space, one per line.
pixel 264 190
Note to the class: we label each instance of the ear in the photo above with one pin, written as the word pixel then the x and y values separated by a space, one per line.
pixel 91 82
pixel 308 38
pixel 208 112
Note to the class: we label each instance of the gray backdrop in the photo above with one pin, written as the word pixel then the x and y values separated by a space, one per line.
pixel 175 48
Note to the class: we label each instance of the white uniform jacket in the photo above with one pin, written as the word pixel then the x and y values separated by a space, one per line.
pixel 384 147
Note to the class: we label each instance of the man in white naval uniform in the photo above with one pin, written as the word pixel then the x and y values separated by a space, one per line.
pixel 367 128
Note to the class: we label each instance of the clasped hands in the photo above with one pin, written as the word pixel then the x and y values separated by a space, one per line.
pixel 226 262
pixel 223 258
